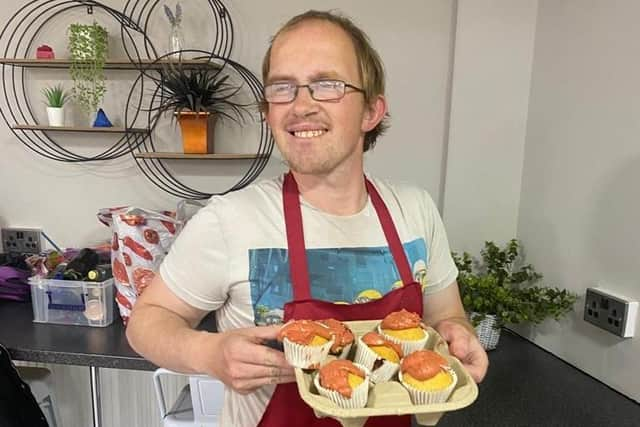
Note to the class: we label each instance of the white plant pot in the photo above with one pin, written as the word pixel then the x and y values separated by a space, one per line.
pixel 488 335
pixel 56 116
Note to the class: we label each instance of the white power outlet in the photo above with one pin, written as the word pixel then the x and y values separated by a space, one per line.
pixel 611 311
pixel 22 240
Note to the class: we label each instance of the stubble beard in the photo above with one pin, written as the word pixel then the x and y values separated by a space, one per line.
pixel 308 164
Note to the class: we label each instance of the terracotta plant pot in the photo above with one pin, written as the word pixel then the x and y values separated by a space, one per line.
pixel 197 131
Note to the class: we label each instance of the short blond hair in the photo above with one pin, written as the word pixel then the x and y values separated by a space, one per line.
pixel 370 66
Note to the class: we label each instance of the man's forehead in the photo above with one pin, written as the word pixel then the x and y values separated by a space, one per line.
pixel 313 32
pixel 305 42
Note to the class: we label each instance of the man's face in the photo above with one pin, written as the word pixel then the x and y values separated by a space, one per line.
pixel 317 137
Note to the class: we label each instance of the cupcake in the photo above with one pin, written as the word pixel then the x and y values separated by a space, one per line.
pixel 345 383
pixel 380 355
pixel 404 328
pixel 306 343
pixel 427 377
pixel 342 336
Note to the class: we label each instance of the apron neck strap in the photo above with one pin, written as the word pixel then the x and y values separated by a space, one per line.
pixel 298 265
pixel 390 232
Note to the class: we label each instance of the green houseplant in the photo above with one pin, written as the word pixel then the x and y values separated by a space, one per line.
pixel 198 96
pixel 88 46
pixel 502 290
pixel 55 99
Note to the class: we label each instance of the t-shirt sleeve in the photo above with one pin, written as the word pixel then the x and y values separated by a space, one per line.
pixel 197 266
pixel 441 270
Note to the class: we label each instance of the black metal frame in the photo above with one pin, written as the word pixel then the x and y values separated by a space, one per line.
pixel 15 107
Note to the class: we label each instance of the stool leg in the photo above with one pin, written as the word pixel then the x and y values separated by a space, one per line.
pixel 96 410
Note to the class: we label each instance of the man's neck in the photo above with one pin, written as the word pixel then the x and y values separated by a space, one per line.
pixel 336 194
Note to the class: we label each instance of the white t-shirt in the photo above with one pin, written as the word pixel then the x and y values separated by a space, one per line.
pixel 232 258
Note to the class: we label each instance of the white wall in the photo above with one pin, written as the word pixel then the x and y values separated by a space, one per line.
pixel 489 101
pixel 543 147
pixel 415 43
pixel 579 205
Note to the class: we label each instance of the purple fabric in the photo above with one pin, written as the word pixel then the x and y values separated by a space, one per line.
pixel 14 285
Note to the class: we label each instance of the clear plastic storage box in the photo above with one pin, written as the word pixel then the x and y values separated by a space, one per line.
pixel 71 302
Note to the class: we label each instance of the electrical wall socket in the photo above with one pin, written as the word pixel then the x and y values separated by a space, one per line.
pixel 610 311
pixel 22 240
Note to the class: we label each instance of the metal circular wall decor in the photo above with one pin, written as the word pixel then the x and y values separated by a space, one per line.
pixel 18 38
pixel 155 169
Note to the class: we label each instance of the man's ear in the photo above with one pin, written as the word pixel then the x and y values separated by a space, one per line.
pixel 374 113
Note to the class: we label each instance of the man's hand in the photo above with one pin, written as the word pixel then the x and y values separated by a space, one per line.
pixel 464 345
pixel 239 359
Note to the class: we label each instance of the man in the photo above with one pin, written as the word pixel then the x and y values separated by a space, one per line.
pixel 323 232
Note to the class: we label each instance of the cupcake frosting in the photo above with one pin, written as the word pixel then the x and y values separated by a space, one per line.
pixel 342 335
pixel 304 331
pixel 335 376
pixel 423 365
pixel 373 339
pixel 402 319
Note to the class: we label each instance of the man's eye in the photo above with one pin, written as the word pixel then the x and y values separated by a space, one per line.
pixel 328 84
pixel 281 87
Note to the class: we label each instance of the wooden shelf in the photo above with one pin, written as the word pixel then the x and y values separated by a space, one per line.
pixel 111 64
pixel 182 156
pixel 79 129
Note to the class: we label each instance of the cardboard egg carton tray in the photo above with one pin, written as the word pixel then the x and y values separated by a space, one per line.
pixel 390 398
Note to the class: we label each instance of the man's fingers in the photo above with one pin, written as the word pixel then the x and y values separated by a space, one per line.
pixel 248 371
pixel 258 354
pixel 459 346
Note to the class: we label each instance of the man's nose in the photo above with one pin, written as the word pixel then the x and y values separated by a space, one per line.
pixel 304 104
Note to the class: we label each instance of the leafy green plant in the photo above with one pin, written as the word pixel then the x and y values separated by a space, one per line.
pixel 55 96
pixel 201 89
pixel 88 48
pixel 501 285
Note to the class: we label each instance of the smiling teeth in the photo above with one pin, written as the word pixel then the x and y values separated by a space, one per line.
pixel 308 133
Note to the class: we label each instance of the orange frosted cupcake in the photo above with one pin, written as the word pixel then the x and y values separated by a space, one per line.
pixel 344 383
pixel 342 336
pixel 427 377
pixel 306 343
pixel 380 355
pixel 405 328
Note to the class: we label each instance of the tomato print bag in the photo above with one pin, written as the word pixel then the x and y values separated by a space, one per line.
pixel 141 239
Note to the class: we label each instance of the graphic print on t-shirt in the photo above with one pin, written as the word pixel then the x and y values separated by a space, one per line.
pixel 341 275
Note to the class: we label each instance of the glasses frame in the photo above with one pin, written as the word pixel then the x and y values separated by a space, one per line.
pixel 310 87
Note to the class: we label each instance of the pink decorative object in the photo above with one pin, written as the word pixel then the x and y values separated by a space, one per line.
pixel 45 52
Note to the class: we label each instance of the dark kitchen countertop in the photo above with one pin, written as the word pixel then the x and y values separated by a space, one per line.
pixel 525 385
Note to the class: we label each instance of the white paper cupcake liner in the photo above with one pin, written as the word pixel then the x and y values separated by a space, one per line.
pixel 425 397
pixel 408 347
pixel 306 356
pixel 367 358
pixel 359 395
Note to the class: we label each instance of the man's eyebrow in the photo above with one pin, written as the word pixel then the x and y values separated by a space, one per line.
pixel 322 75
pixel 279 78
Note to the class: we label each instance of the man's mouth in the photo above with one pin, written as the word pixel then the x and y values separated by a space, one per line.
pixel 306 134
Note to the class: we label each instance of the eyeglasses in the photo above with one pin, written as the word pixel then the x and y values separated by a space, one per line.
pixel 320 90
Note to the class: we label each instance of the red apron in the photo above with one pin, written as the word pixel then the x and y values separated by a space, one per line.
pixel 286 407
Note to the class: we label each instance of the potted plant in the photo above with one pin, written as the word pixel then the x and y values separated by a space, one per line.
pixel 88 46
pixel 502 290
pixel 198 96
pixel 55 98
